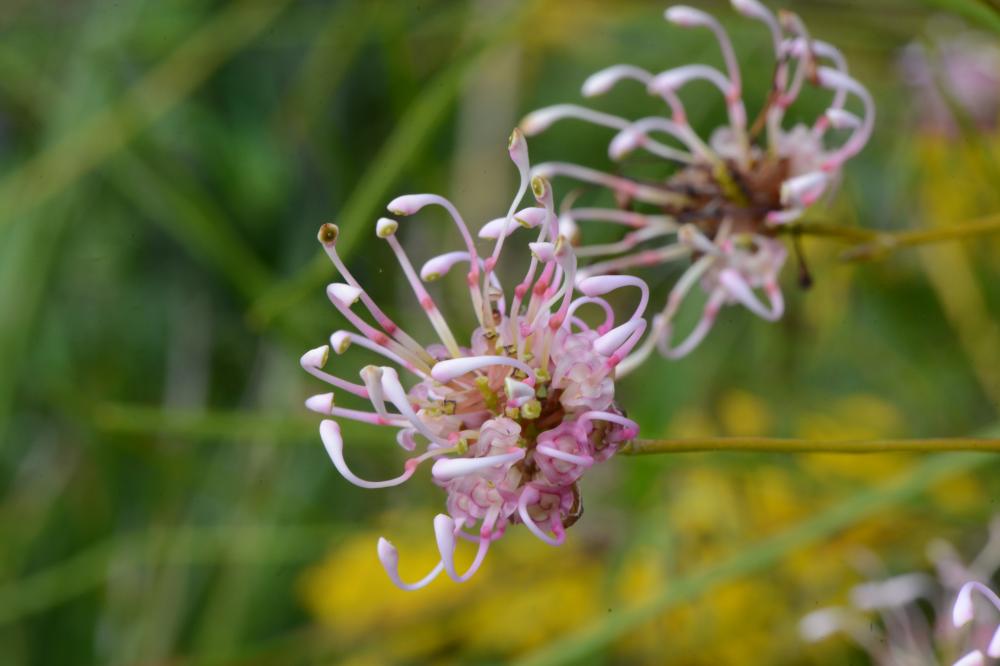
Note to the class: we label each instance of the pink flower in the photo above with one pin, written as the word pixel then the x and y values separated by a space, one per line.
pixel 967 66
pixel 511 421
pixel 728 194
pixel 909 638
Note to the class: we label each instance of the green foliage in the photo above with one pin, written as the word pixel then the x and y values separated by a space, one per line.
pixel 163 169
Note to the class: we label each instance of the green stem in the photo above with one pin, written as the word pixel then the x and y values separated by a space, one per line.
pixel 835 231
pixel 791 445
pixel 869 244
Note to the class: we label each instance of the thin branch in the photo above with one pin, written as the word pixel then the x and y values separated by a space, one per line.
pixel 834 231
pixel 792 445
pixel 869 245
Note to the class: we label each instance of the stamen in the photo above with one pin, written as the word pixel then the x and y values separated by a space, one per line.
pixel 538 121
pixel 446 469
pixel 604 80
pixel 738 288
pixel 685 283
pixel 840 119
pixel 324 404
pixel 444 532
pixel 806 61
pixel 674 79
pixel 437 267
pixel 964 610
pixel 797 48
pixel 779 217
pixel 446 371
pixel 699 332
pixel 631 427
pixel 517 148
pixel 601 285
pixel 608 344
pixel 312 362
pixel 803 191
pixel 338 294
pixel 609 313
pixel 329 431
pixel 625 217
pixel 755 10
pixel 530 495
pixel 411 203
pixel 892 593
pixel 627 347
pixel 834 79
pixel 689 17
pixel 643 258
pixel 552 452
pixel 389 558
pixel 372 376
pixel 517 391
pixel 601 82
pixel 635 136
pixel 529 218
pixel 618 184
pixel 822 624
pixel 344 294
pixel 341 340
pixel 328 235
pixel 424 298
pixel 974 658
pixel 405 439
pixel 394 391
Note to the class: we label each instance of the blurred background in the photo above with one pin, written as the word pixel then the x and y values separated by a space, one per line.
pixel 164 167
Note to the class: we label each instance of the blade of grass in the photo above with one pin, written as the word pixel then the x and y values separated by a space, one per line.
pixel 76 149
pixel 978 13
pixel 414 130
pixel 184 546
pixel 124 419
pixel 179 205
pixel 109 130
pixel 29 246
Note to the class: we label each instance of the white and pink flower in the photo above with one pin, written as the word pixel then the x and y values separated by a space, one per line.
pixel 727 197
pixel 511 421
pixel 963 627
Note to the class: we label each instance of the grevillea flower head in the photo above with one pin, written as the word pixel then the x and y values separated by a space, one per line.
pixel 906 636
pixel 509 421
pixel 965 66
pixel 727 196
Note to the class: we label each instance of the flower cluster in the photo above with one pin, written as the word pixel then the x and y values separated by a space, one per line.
pixel 724 203
pixel 905 636
pixel 958 80
pixel 511 420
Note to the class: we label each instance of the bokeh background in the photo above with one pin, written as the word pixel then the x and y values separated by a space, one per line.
pixel 164 167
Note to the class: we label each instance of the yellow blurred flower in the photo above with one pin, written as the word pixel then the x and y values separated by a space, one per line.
pixel 526 592
pixel 853 417
pixel 744 414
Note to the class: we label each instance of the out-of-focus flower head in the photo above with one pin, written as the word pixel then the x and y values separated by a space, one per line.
pixel 905 634
pixel 960 74
pixel 724 202
pixel 511 420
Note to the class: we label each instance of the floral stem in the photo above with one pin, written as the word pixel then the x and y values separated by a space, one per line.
pixel 792 445
pixel 834 231
pixel 869 245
